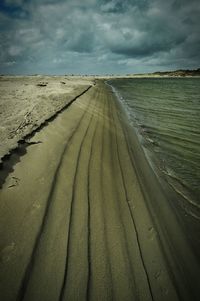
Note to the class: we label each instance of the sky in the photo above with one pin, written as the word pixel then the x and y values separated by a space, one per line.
pixel 98 36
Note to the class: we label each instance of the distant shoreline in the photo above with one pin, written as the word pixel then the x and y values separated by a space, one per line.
pixel 175 73
pixel 181 73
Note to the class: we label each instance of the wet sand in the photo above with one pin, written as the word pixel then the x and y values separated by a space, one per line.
pixel 82 216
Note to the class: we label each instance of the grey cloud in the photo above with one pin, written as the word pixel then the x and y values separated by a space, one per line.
pixel 159 29
pixel 114 6
pixel 97 34
pixel 14 2
pixel 81 42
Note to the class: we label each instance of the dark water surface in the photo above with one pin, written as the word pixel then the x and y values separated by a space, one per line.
pixel 166 114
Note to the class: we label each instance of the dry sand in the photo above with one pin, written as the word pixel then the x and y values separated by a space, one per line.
pixel 26 102
pixel 82 216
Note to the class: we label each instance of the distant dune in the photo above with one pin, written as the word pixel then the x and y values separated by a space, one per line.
pixel 180 72
pixel 175 73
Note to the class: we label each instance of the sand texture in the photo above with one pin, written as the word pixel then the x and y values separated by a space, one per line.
pixel 26 102
pixel 83 218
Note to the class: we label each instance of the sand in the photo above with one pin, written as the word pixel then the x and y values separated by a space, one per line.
pixel 26 102
pixel 82 216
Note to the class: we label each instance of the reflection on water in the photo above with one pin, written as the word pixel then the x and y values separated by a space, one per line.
pixel 166 113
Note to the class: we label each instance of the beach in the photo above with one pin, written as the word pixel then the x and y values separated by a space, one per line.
pixel 27 102
pixel 82 214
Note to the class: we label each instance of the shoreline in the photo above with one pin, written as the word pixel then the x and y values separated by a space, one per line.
pixel 180 198
pixel 88 216
pixel 162 201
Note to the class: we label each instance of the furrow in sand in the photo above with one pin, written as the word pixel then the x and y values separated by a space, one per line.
pixel 44 235
pixel 102 194
pixel 57 200
pixel 16 230
pixel 76 265
pixel 66 279
pixel 117 142
pixel 79 272
pixel 100 266
pixel 89 209
pixel 117 199
pixel 132 284
pixel 119 286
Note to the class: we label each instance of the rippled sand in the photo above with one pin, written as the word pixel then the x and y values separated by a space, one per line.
pixel 82 216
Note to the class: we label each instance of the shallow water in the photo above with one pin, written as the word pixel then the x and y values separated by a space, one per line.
pixel 166 114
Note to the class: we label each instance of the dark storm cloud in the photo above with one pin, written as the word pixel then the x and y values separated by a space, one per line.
pixel 98 36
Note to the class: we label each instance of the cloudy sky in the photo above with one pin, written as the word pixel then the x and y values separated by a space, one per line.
pixel 98 36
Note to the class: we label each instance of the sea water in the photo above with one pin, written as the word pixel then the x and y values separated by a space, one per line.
pixel 166 114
